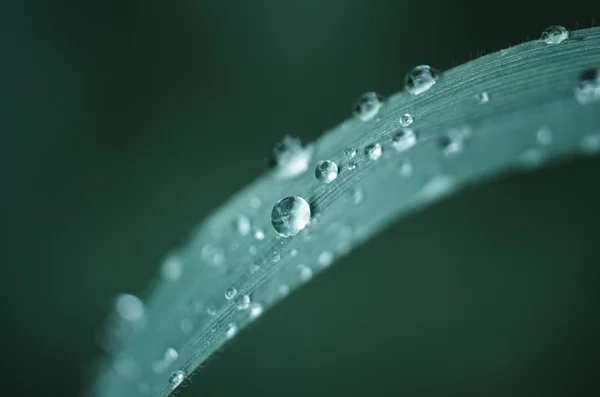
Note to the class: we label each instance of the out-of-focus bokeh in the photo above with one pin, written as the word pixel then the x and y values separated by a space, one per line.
pixel 124 123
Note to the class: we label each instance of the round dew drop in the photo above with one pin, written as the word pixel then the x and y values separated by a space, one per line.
pixel 129 307
pixel 349 152
pixel 291 158
pixel 367 106
pixel 176 378
pixel 242 302
pixel 406 120
pixel 421 79
pixel 231 330
pixel 404 139
pixel 482 98
pixel 290 215
pixel 326 171
pixel 255 310
pixel 374 151
pixel 230 293
pixel 554 34
pixel 304 272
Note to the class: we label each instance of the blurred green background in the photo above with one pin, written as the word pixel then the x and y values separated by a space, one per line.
pixel 125 122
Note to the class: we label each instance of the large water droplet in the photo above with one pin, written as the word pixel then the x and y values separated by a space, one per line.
pixel 554 34
pixel 326 171
pixel 290 215
pixel 406 120
pixel 231 330
pixel 129 307
pixel 230 293
pixel 291 158
pixel 304 272
pixel 259 234
pixel 421 79
pixel 404 139
pixel 367 106
pixel 374 151
pixel 587 88
pixel 176 378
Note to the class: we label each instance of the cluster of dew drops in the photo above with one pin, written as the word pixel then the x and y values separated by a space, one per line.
pixel 292 214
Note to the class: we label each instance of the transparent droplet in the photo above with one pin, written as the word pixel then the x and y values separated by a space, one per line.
pixel 290 215
pixel 374 151
pixel 304 272
pixel 171 269
pixel 544 136
pixel 554 34
pixel 259 234
pixel 587 89
pixel 350 166
pixel 325 258
pixel 211 310
pixel 214 256
pixel 482 98
pixel 349 152
pixel 357 195
pixel 255 310
pixel 591 144
pixel 291 158
pixel 326 171
pixel 243 225
pixel 129 307
pixel 451 147
pixel 230 293
pixel 242 302
pixel 293 252
pixel 186 325
pixel 231 330
pixel 404 139
pixel 283 289
pixel 367 106
pixel 405 168
pixel 420 79
pixel 176 378
pixel 532 158
pixel 406 120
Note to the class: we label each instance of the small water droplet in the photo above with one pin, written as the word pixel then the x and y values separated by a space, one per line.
pixel 129 307
pixel 290 215
pixel 451 147
pixel 437 186
pixel 304 272
pixel 230 293
pixel 255 310
pixel 186 325
pixel 326 171
pixel 283 289
pixel 168 358
pixel 214 256
pixel 231 330
pixel 357 195
pixel 293 252
pixel 176 378
pixel 406 120
pixel 482 98
pixel 242 302
pixel 367 106
pixel 259 234
pixel 255 202
pixel 532 158
pixel 291 158
pixel 325 258
pixel 591 144
pixel 350 166
pixel 421 79
pixel 405 168
pixel 404 139
pixel 587 89
pixel 349 152
pixel 243 225
pixel 544 136
pixel 211 310
pixel 554 34
pixel 171 269
pixel 374 151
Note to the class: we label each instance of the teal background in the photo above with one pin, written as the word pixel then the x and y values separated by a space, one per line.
pixel 124 123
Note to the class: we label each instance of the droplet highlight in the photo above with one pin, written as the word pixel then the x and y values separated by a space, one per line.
pixel 290 215
pixel 176 378
pixel 230 293
pixel 406 119
pixel 326 171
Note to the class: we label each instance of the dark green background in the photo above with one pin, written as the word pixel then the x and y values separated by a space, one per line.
pixel 124 123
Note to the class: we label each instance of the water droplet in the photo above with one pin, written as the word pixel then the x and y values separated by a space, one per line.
pixel 255 310
pixel 293 252
pixel 436 187
pixel 230 293
pixel 304 272
pixel 283 289
pixel 211 310
pixel 291 158
pixel 357 195
pixel 406 120
pixel 186 325
pixel 325 258
pixel 405 168
pixel 544 136
pixel 243 225
pixel 168 358
pixel 242 302
pixel 554 34
pixel 231 330
pixel 290 215
pixel 255 202
pixel 275 258
pixel 129 307
pixel 214 256
pixel 404 139
pixel 421 79
pixel 259 234
pixel 350 166
pixel 591 144
pixel 587 89
pixel 367 106
pixel 349 152
pixel 176 378
pixel 482 98
pixel 374 151
pixel 451 147
pixel 254 268
pixel 532 158
pixel 172 269
pixel 326 171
